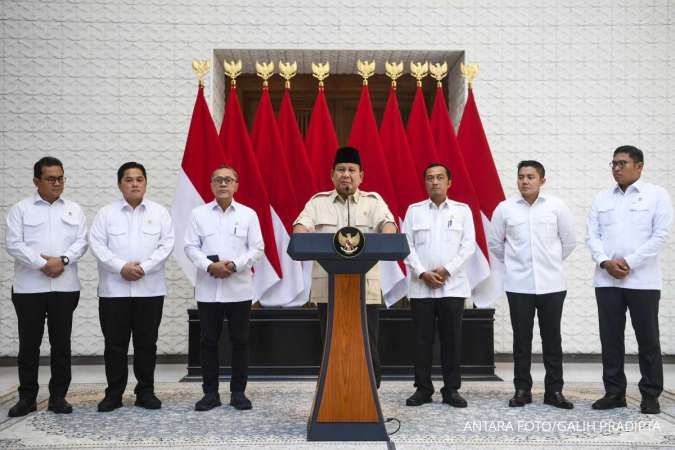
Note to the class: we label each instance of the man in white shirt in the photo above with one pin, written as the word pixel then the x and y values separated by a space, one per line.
pixel 441 237
pixel 131 239
pixel 46 236
pixel 533 233
pixel 628 226
pixel 223 241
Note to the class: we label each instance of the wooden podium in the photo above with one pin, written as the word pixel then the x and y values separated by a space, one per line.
pixel 346 406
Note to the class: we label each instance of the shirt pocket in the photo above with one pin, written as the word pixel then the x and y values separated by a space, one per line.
pixel 546 227
pixel 207 237
pixel 640 217
pixel 34 229
pixel 518 230
pixel 118 238
pixel 606 216
pixel 421 232
pixel 238 236
pixel 70 226
pixel 150 234
pixel 326 223
pixel 362 221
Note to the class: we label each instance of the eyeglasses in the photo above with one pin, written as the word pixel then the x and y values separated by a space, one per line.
pixel 620 164
pixel 54 180
pixel 223 180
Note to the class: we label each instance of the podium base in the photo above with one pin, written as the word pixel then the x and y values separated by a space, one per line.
pixel 347 431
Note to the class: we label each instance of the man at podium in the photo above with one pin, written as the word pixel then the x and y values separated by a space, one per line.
pixel 346 205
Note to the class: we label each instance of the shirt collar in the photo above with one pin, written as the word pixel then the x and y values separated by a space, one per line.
pixel 637 185
pixel 335 197
pixel 38 199
pixel 213 204
pixel 124 205
pixel 432 205
pixel 521 199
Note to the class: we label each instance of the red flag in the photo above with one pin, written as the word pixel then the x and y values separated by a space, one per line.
pixel 252 193
pixel 203 154
pixel 399 157
pixel 296 153
pixel 481 169
pixel 271 158
pixel 365 137
pixel 321 142
pixel 462 190
pixel 420 138
pixel 478 158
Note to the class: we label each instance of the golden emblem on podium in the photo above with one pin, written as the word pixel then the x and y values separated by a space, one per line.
pixel 348 241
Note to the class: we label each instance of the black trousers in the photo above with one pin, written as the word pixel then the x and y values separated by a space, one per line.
pixel 644 315
pixel 121 318
pixel 211 316
pixel 549 311
pixel 447 312
pixel 373 325
pixel 31 311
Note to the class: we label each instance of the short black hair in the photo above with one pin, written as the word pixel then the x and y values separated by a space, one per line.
pixel 130 165
pixel 539 167
pixel 633 152
pixel 46 161
pixel 435 164
pixel 225 166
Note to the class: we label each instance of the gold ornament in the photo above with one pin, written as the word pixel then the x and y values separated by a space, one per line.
pixel 419 71
pixel 366 69
pixel 200 67
pixel 439 71
pixel 320 71
pixel 469 71
pixel 232 70
pixel 288 70
pixel 265 71
pixel 393 70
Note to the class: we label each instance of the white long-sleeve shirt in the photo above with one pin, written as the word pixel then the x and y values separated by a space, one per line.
pixel 233 235
pixel 633 225
pixel 439 236
pixel 532 241
pixel 121 234
pixel 35 227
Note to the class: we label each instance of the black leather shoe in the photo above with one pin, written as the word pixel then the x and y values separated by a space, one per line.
pixel 239 401
pixel 209 401
pixel 22 407
pixel 610 401
pixel 109 404
pixel 59 405
pixel 520 398
pixel 558 400
pixel 148 400
pixel 453 398
pixel 418 398
pixel 650 405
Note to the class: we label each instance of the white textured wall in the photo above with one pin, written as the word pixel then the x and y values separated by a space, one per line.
pixel 97 83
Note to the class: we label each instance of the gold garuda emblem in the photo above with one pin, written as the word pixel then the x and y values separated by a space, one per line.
pixel 348 241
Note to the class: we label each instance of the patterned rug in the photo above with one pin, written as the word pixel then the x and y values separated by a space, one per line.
pixel 279 417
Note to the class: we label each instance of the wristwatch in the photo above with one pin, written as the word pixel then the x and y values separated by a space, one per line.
pixel 234 266
pixel 65 260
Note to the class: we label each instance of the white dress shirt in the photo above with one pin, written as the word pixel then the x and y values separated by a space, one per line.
pixel 439 236
pixel 234 235
pixel 532 241
pixel 121 234
pixel 35 227
pixel 633 225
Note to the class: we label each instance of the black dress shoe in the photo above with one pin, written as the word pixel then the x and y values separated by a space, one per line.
pixel 209 401
pixel 239 401
pixel 109 404
pixel 148 400
pixel 520 398
pixel 650 405
pixel 453 398
pixel 418 398
pixel 22 407
pixel 59 405
pixel 558 400
pixel 610 401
